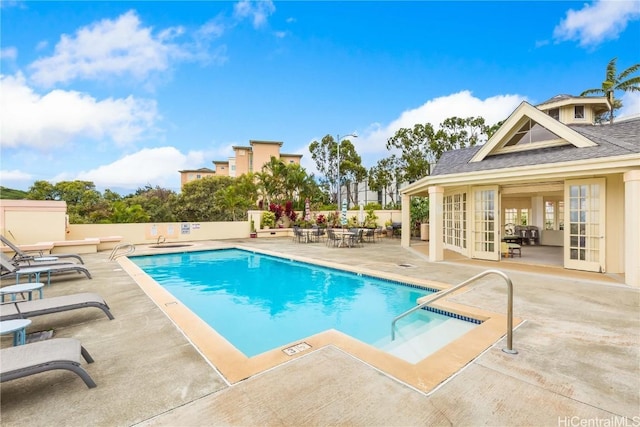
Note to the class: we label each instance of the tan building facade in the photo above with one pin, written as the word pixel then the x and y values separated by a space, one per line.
pixel 550 171
pixel 247 159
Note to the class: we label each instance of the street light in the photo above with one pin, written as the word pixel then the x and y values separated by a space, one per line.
pixel 339 189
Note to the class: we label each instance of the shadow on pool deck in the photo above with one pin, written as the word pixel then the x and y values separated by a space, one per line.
pixel 579 354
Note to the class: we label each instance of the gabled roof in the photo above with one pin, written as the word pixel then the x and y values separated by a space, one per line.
pixel 517 120
pixel 607 141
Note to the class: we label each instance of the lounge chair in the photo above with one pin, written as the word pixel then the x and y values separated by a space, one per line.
pixel 9 269
pixel 38 307
pixel 57 353
pixel 22 256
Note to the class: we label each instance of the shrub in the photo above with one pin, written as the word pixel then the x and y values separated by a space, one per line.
pixel 268 219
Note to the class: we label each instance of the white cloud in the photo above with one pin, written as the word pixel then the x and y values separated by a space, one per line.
pixel 14 175
pixel 155 166
pixel 597 22
pixel 120 47
pixel 435 111
pixel 58 117
pixel 371 142
pixel 10 53
pixel 258 11
pixel 630 104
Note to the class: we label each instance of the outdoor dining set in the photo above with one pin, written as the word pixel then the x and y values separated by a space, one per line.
pixel 336 237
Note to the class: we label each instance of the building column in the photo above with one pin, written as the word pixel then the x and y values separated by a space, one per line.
pixel 436 219
pixel 632 227
pixel 405 241
pixel 537 212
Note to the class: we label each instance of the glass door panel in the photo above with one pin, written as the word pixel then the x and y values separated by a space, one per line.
pixel 584 238
pixel 485 223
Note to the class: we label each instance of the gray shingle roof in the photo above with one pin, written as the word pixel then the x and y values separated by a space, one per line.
pixel 619 139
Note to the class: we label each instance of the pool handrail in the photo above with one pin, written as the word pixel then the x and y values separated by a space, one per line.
pixel 442 294
pixel 114 253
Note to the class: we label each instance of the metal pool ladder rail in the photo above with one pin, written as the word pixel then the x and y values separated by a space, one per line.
pixel 441 294
pixel 129 247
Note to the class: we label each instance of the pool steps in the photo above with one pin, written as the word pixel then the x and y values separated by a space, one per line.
pixel 420 338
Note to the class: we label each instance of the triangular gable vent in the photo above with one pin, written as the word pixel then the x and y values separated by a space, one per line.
pixel 530 135
pixel 529 129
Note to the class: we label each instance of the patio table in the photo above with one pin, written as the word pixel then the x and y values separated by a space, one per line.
pixel 346 237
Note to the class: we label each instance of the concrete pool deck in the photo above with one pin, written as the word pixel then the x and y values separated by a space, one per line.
pixel 578 360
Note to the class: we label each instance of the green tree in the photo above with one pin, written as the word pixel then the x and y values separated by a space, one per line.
pixel 456 132
pixel 157 202
pixel 272 179
pixel 197 201
pixel 247 188
pixel 42 190
pixel 494 128
pixel 385 176
pixel 421 146
pixel 419 149
pixel 325 155
pixel 10 193
pixel 235 199
pixel 351 169
pixel 614 81
pixel 122 213
pixel 297 184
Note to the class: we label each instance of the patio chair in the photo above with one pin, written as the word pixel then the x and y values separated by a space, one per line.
pixel 8 269
pixel 370 235
pixel 319 234
pixel 22 256
pixel 42 356
pixel 39 307
pixel 332 239
pixel 356 238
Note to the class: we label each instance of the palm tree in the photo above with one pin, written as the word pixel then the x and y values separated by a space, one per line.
pixel 613 82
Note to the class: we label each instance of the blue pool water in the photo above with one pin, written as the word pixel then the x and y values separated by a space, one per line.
pixel 259 302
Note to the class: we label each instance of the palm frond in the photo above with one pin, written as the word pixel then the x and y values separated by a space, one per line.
pixel 630 85
pixel 629 71
pixel 595 91
pixel 610 75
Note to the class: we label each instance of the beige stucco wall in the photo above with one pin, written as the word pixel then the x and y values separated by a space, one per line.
pixel 171 232
pixel 262 154
pixel 290 159
pixel 31 221
pixel 243 155
pixel 614 232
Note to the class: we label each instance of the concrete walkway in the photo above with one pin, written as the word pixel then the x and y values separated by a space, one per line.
pixel 578 360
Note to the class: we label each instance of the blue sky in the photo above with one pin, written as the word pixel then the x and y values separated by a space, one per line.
pixel 126 94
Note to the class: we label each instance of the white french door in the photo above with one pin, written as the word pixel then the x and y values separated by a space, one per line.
pixel 584 218
pixel 485 220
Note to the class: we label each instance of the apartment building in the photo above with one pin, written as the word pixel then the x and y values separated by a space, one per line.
pixel 249 158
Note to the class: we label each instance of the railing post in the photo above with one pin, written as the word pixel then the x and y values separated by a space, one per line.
pixel 442 294
pixel 114 253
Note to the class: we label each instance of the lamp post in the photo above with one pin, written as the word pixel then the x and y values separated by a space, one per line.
pixel 339 189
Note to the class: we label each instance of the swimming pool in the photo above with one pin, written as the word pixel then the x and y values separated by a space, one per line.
pixel 260 302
